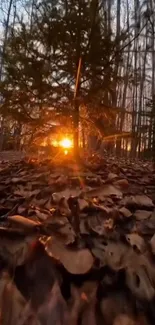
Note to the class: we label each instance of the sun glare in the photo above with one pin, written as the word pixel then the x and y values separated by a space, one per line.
pixel 66 143
pixel 55 143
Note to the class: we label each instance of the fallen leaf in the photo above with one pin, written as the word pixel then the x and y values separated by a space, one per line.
pixel 104 190
pixel 137 242
pixel 89 314
pixel 54 310
pixel 16 251
pixel 142 214
pixel 123 184
pixel 140 283
pixel 76 305
pixel 112 176
pixel 152 243
pixel 26 193
pixel 62 226
pixel 41 214
pixel 114 305
pixel 12 303
pixel 75 261
pixel 24 223
pixel 61 180
pixel 64 207
pixel 84 227
pixel 138 201
pixel 82 204
pixel 67 193
pixel 89 288
pixel 113 254
pixel 124 320
pixel 125 212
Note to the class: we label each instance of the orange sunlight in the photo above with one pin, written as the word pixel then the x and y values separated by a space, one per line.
pixel 66 143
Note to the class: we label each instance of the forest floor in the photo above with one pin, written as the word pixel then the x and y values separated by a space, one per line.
pixel 77 243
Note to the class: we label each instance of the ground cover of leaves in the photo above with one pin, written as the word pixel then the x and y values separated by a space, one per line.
pixel 77 244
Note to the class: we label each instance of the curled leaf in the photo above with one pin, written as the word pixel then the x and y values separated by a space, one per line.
pixel 23 222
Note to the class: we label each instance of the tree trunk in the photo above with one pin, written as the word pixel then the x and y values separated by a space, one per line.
pixel 1 67
pixel 135 90
pixel 76 128
pixel 143 68
pixel 152 6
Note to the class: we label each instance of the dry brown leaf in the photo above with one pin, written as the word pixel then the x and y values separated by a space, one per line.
pixel 124 320
pixel 84 227
pixel 137 242
pixel 41 214
pixel 63 226
pixel 139 280
pixel 104 190
pixel 62 180
pixel 112 176
pixel 113 254
pixel 68 192
pixel 12 303
pixel 23 222
pixel 125 212
pixel 114 305
pixel 142 214
pixel 16 251
pixel 82 204
pixel 28 316
pixel 152 243
pixel 88 315
pixel 96 224
pixel 64 207
pixel 138 201
pixel 83 301
pixel 122 184
pixel 76 304
pixel 88 291
pixel 54 310
pixel 68 232
pixel 26 193
pixel 75 261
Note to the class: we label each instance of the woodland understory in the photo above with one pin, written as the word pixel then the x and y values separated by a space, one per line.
pixel 77 236
pixel 77 243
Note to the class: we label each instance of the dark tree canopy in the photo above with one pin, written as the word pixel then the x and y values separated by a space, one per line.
pixel 41 61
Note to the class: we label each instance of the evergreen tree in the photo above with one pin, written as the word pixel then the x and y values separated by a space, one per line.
pixel 41 61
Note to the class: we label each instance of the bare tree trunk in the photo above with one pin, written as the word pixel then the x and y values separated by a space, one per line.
pixel 135 90
pixel 152 7
pixel 1 67
pixel 143 68
pixel 123 104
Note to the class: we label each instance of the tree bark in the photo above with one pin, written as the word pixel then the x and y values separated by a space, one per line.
pixel 1 67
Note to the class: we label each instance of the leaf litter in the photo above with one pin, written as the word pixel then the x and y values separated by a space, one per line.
pixel 77 247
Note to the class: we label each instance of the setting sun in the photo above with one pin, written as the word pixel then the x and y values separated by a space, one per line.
pixel 66 143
